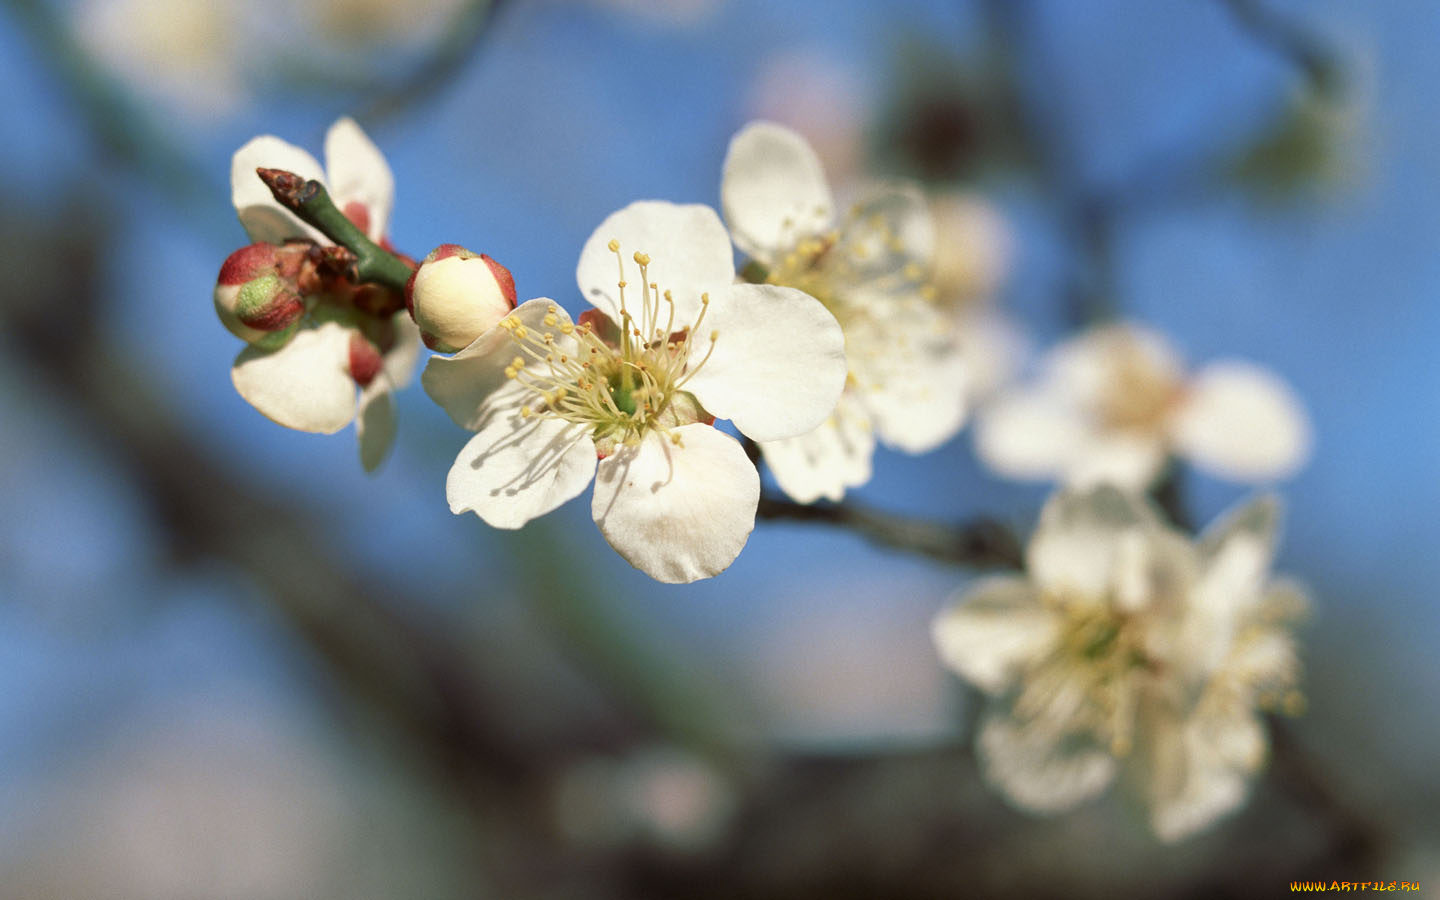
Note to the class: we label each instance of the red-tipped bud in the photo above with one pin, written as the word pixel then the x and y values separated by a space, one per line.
pixel 456 296
pixel 255 293
pixel 365 359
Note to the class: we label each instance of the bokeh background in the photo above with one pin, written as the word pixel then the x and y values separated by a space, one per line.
pixel 233 665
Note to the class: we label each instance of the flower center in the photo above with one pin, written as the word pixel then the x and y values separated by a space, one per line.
pixel 1090 680
pixel 1138 395
pixel 878 293
pixel 623 379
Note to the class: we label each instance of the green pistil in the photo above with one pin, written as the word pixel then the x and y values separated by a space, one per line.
pixel 622 391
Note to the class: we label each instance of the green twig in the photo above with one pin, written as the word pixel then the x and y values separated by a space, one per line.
pixel 311 202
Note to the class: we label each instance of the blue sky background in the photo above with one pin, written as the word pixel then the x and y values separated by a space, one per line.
pixel 571 111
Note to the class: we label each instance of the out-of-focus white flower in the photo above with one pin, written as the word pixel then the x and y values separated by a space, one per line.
pixel 636 384
pixel 185 54
pixel 868 268
pixel 1126 642
pixel 310 382
pixel 1112 403
pixel 974 249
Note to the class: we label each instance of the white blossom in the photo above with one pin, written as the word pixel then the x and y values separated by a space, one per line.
pixel 310 383
pixel 1129 644
pixel 636 384
pixel 868 267
pixel 1111 404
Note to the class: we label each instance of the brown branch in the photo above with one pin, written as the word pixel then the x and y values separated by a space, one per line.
pixel 984 543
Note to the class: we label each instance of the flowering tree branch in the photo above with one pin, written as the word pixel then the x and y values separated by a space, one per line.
pixel 983 542
pixel 312 204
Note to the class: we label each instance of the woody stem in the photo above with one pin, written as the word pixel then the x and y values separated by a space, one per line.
pixel 312 204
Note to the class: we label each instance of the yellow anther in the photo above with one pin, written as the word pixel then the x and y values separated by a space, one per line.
pixel 521 332
pixel 705 299
pixel 614 246
pixel 551 320
pixel 713 335
pixel 668 298
pixel 518 362
pixel 642 258
pixel 510 372
pixel 566 328
pixel 623 283
pixel 526 412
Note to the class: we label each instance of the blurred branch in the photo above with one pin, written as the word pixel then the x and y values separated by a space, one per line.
pixel 1357 843
pixel 1292 42
pixel 985 543
pixel 657 685
pixel 461 41
pixel 123 127
pixel 405 668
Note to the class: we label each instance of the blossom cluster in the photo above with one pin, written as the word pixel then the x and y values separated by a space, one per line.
pixel 1124 645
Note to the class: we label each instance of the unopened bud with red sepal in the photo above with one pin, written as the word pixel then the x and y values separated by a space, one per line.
pixel 256 296
pixel 365 360
pixel 456 296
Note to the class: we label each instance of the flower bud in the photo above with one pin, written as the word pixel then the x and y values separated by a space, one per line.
pixel 255 294
pixel 456 296
pixel 365 359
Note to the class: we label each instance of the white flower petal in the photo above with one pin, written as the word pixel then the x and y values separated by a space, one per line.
pixel 1089 368
pixel 358 173
pixel 778 364
pixel 1039 772
pixel 1030 435
pixel 689 252
pixel 1236 552
pixel 916 392
pixel 515 468
pixel 463 384
pixel 399 362
pixel 1126 460
pixel 375 426
pixel 890 226
pixel 996 629
pixel 1240 421
pixel 306 384
pixel 1200 771
pixel 993 347
pixel 824 462
pixel 773 190
pixel 1083 547
pixel 265 219
pixel 678 512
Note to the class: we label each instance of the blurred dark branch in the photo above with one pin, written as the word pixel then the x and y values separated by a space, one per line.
pixel 1291 41
pixel 984 543
pixel 459 45
pixel 1356 841
pixel 126 130
pixel 405 667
